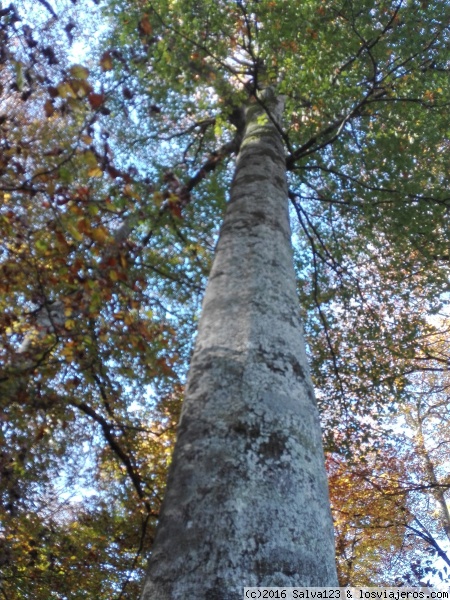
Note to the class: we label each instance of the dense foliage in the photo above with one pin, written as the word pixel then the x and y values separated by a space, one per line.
pixel 119 123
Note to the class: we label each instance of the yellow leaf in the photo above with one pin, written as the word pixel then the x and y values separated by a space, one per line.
pixel 158 198
pixel 89 159
pixel 99 235
pixel 93 209
pixel 79 72
pixel 74 233
pixel 95 172
pixel 66 91
pixel 80 87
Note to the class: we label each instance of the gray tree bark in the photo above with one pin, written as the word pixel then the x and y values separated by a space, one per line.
pixel 247 498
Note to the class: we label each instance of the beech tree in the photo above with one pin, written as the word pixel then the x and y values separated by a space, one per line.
pixel 247 502
pixel 112 196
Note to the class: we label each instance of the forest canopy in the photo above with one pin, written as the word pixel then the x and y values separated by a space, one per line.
pixel 120 121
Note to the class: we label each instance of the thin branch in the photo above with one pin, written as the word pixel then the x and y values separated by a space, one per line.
pixel 136 557
pixel 427 537
pixel 317 303
pixel 48 6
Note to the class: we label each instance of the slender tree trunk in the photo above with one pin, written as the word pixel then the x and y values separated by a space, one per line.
pixel 436 490
pixel 247 499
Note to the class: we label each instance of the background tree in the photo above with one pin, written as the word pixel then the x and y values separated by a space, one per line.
pixel 401 488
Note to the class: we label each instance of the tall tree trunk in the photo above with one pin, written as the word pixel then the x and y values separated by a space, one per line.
pixel 247 499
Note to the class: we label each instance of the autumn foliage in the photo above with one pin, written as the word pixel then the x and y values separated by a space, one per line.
pixel 115 154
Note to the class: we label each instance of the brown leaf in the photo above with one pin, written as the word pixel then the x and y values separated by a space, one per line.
pixel 68 29
pixel 49 54
pixel 83 225
pixel 106 61
pixel 96 100
pixel 175 209
pixel 128 94
pixel 49 108
pixel 145 26
pixel 53 91
pixel 112 172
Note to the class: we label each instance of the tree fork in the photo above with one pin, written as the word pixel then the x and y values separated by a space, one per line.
pixel 247 498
